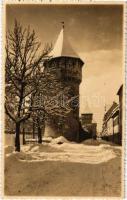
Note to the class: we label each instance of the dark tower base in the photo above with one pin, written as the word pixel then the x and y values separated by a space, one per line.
pixel 69 128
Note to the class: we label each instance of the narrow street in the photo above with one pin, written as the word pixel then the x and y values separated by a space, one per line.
pixel 67 169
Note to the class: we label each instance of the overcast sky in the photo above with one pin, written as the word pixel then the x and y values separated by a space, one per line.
pixel 95 32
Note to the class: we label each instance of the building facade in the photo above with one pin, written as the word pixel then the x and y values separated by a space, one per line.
pixel 112 123
pixel 120 94
pixel 110 129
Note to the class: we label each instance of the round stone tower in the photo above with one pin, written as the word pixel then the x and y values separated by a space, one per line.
pixel 66 67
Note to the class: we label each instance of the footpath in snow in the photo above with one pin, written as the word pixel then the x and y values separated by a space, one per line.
pixel 65 152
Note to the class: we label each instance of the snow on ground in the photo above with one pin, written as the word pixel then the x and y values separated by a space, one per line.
pixel 97 142
pixel 67 152
pixel 68 169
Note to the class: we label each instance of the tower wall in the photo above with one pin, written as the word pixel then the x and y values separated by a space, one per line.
pixel 67 73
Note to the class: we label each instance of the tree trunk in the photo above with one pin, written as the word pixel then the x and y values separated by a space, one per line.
pixel 17 137
pixel 23 134
pixel 33 130
pixel 39 135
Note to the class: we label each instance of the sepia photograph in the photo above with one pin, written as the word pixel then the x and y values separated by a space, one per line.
pixel 64 100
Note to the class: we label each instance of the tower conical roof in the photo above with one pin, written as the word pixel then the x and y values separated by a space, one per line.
pixel 63 47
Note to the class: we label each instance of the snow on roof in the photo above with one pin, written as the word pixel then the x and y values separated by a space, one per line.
pixel 63 47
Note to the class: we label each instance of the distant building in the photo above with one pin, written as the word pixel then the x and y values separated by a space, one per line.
pixel 112 122
pixel 87 118
pixel 89 127
pixel 110 129
pixel 120 94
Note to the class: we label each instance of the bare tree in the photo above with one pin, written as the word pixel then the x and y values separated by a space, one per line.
pixel 23 57
pixel 38 117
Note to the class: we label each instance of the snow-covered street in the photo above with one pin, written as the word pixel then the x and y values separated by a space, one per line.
pixel 67 169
